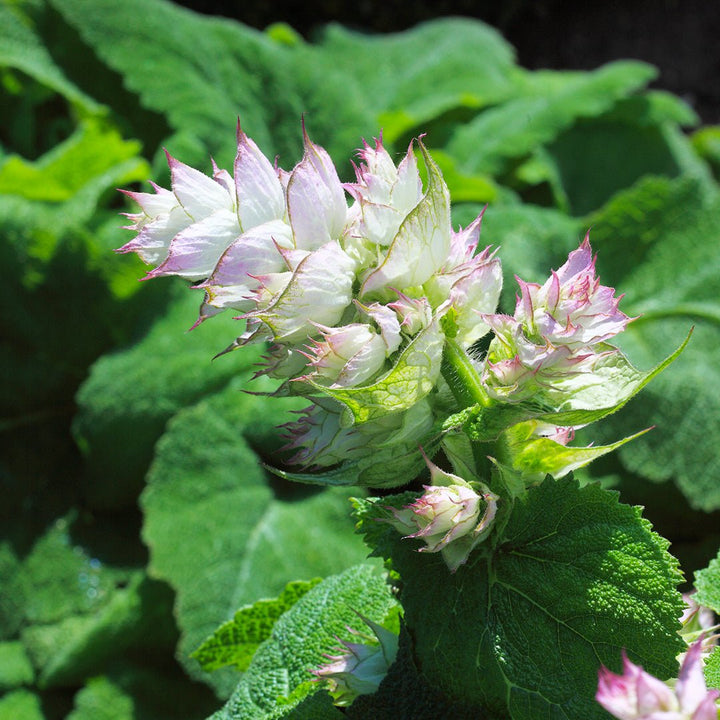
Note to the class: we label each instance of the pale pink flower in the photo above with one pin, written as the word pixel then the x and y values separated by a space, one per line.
pixel 315 199
pixel 385 194
pixel 554 330
pixel 572 308
pixel 637 695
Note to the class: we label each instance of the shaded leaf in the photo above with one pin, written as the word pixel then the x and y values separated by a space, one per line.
pixel 130 395
pixel 80 645
pixel 405 694
pixel 515 128
pixel 22 48
pixel 673 285
pixel 129 692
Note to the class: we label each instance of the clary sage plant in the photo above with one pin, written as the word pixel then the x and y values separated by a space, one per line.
pixel 385 319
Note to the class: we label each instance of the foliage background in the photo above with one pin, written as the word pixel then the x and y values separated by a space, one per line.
pixel 136 515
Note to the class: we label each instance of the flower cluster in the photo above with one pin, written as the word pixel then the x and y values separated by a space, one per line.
pixel 558 329
pixel 343 293
pixel 358 289
pixel 637 695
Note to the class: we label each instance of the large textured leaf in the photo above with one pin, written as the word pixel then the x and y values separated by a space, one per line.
pixel 517 127
pixel 129 396
pixel 521 631
pixel 437 66
pixel 208 71
pixel 80 609
pixel 220 534
pixel 621 146
pixel 205 71
pixel 298 643
pixel 671 231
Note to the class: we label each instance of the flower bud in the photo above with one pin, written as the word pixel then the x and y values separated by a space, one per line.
pixel 451 517
pixel 359 668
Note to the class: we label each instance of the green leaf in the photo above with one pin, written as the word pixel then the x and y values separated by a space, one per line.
pixel 21 704
pixel 223 536
pixel 80 645
pixel 707 584
pixel 240 72
pixel 235 642
pixel 515 128
pixel 712 670
pixel 438 66
pixel 93 151
pixel 521 630
pixel 15 666
pixel 21 48
pixel 647 149
pixel 412 377
pixel 673 284
pixel 129 396
pixel 299 640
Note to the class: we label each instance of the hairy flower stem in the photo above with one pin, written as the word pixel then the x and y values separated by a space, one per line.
pixel 462 377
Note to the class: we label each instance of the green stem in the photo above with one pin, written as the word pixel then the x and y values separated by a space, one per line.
pixel 462 377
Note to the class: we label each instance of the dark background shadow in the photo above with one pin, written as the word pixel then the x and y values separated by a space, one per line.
pixel 680 37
